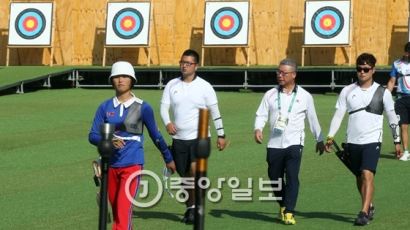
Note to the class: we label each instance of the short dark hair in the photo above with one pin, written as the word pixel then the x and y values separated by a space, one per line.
pixel 366 58
pixel 290 62
pixel 407 47
pixel 191 53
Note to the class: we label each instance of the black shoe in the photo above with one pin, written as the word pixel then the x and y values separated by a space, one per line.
pixel 362 219
pixel 372 210
pixel 189 216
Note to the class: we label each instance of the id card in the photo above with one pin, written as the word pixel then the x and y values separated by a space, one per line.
pixel 280 124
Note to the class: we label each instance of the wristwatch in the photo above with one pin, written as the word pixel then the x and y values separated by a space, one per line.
pixel 221 136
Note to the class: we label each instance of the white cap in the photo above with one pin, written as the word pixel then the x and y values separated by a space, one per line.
pixel 122 68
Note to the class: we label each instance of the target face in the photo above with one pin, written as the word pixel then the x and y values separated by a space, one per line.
pixel 327 22
pixel 127 23
pixel 30 24
pixel 226 23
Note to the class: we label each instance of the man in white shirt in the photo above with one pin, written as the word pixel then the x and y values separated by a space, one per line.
pixel 185 95
pixel 400 72
pixel 286 107
pixel 365 102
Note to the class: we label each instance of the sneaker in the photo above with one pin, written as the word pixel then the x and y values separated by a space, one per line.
pixel 362 219
pixel 289 219
pixel 372 210
pixel 405 156
pixel 189 216
pixel 281 214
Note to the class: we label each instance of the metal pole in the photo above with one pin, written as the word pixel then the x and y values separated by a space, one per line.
pixel 203 152
pixel 105 148
pixel 102 220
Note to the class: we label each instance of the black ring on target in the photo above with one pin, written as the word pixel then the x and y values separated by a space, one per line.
pixel 234 18
pixel 35 16
pixel 327 22
pixel 128 14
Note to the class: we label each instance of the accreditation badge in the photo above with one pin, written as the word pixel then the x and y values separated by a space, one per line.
pixel 280 124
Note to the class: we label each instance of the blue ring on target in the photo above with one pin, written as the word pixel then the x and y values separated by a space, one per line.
pixel 233 30
pixel 33 14
pixel 130 13
pixel 320 14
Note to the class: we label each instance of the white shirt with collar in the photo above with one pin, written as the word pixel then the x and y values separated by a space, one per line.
pixel 303 107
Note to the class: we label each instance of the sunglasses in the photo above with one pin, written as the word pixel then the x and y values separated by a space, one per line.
pixel 360 69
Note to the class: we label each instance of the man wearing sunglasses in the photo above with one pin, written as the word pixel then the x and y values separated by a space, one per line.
pixel 365 102
pixel 401 73
pixel 185 95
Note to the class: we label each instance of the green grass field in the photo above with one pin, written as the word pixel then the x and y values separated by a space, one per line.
pixel 46 176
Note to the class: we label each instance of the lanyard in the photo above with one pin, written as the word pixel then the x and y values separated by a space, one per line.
pixel 291 103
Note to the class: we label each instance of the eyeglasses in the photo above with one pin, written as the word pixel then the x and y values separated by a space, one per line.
pixel 186 63
pixel 283 73
pixel 360 69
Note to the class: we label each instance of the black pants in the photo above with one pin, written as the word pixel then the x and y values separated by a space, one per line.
pixel 285 164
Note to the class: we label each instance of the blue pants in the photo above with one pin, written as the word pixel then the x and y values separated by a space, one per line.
pixel 285 164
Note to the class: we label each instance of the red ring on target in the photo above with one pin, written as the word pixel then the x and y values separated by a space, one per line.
pixel 327 22
pixel 127 23
pixel 227 22
pixel 30 23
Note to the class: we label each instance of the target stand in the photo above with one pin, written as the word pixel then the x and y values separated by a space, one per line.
pixel 31 25
pixel 147 50
pixel 226 24
pixel 348 55
pixel 128 26
pixel 327 24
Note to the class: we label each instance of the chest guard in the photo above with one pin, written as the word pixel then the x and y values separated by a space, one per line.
pixel 376 104
pixel 133 121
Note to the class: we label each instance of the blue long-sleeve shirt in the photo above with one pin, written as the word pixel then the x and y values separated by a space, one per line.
pixel 114 112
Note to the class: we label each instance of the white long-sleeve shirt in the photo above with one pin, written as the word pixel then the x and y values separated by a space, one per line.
pixel 363 127
pixel 303 107
pixel 185 100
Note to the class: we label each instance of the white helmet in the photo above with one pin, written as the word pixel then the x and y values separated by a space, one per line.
pixel 122 68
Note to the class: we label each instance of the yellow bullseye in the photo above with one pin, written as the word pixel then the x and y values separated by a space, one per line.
pixel 226 23
pixel 327 22
pixel 30 24
pixel 128 23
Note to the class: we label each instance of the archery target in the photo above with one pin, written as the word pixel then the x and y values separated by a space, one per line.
pixel 30 24
pixel 226 23
pixel 327 22
pixel 127 23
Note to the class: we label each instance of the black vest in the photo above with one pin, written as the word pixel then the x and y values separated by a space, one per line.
pixel 376 104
